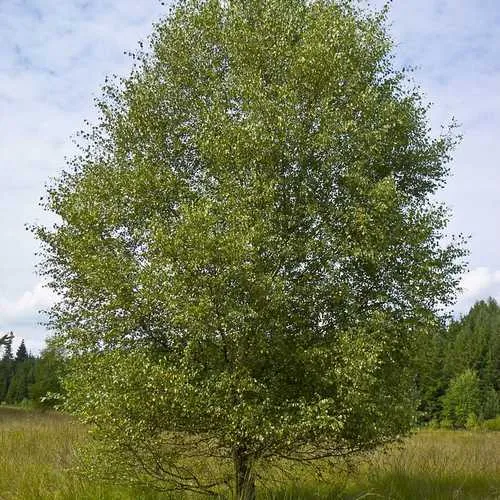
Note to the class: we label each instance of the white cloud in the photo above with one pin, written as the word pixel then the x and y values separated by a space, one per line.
pixel 478 284
pixel 27 305
pixel 24 315
pixel 53 59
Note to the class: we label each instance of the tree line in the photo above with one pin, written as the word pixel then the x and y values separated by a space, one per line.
pixel 28 378
pixel 459 376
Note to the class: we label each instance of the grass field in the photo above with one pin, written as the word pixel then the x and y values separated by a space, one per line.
pixel 37 450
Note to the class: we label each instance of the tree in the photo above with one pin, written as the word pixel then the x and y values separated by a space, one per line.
pixel 22 378
pixel 491 404
pixel 6 339
pixel 21 353
pixel 462 399
pixel 6 364
pixel 473 343
pixel 431 381
pixel 46 389
pixel 6 342
pixel 248 249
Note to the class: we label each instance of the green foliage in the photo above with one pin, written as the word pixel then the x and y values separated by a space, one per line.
pixel 21 353
pixel 6 365
pixel 248 251
pixel 22 378
pixel 31 379
pixel 473 422
pixel 447 424
pixel 491 404
pixel 470 343
pixel 474 343
pixel 462 399
pixel 46 390
pixel 492 424
pixel 431 381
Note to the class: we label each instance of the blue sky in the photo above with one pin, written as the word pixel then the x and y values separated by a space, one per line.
pixel 54 55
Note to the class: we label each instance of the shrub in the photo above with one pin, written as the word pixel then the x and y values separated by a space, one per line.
pixel 472 422
pixel 493 424
pixel 462 399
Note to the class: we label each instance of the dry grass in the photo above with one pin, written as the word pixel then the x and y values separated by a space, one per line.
pixel 36 452
pixel 436 465
pixel 37 449
pixel 431 465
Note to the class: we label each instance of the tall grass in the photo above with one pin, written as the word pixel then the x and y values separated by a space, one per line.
pixel 37 450
pixel 435 465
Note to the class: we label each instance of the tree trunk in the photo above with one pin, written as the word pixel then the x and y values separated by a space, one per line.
pixel 244 478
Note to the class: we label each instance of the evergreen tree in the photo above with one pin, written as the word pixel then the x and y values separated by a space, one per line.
pixel 22 378
pixel 7 345
pixel 6 365
pixel 431 380
pixel 21 353
pixel 5 339
pixel 491 403
pixel 49 370
pixel 473 343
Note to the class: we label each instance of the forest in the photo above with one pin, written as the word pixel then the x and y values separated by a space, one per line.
pixel 459 379
pixel 27 379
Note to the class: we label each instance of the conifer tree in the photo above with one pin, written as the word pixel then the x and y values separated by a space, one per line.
pixel 6 364
pixel 21 353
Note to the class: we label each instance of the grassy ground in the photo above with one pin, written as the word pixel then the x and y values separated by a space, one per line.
pixel 36 450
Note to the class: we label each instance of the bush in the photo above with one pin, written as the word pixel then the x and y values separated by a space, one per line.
pixel 473 422
pixel 493 424
pixel 433 424
pixel 462 398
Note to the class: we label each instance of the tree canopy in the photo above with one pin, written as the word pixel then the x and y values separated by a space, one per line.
pixel 247 249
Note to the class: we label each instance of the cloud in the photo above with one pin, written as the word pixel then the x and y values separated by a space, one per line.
pixel 27 305
pixel 54 57
pixel 24 314
pixel 478 284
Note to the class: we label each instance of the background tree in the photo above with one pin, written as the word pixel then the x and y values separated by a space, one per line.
pixel 248 251
pixel 462 399
pixel 6 342
pixel 6 364
pixel 491 406
pixel 21 353
pixel 23 376
pixel 5 339
pixel 474 343
pixel 431 378
pixel 46 390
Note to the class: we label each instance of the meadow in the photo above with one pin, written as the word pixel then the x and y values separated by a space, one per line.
pixel 37 451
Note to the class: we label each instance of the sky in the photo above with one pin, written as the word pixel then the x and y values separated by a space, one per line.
pixel 55 54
